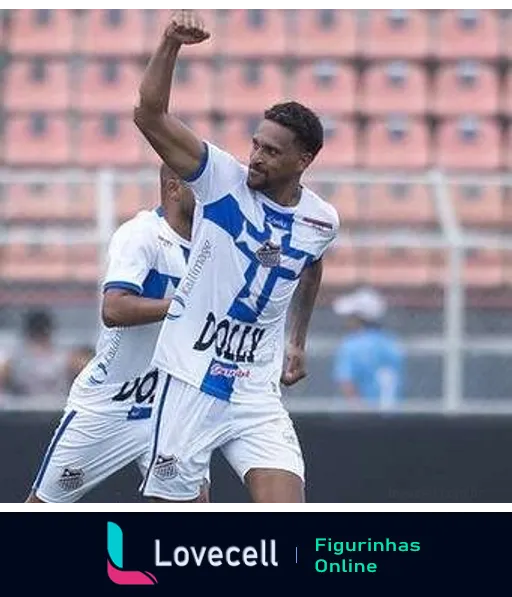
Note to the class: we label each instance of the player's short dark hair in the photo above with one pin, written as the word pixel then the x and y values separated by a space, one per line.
pixel 302 121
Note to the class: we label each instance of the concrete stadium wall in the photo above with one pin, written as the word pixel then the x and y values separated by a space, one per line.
pixel 350 458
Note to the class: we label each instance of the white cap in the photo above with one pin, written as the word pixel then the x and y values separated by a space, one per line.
pixel 365 303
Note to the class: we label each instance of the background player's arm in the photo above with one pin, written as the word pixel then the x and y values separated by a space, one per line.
pixel 301 309
pixel 175 143
pixel 122 308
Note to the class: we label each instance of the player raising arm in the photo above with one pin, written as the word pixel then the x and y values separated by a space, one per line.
pixel 259 244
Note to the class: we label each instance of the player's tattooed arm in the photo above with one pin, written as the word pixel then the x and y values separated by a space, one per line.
pixel 301 309
pixel 174 142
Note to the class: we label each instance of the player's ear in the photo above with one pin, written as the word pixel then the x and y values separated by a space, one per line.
pixel 305 160
pixel 172 189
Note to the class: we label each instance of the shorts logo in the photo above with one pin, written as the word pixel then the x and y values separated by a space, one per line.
pixel 165 467
pixel 71 479
pixel 115 561
pixel 269 255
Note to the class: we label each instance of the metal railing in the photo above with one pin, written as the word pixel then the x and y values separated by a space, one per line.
pixel 450 235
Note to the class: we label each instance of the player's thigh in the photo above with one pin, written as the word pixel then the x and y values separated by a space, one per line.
pixel 188 426
pixel 85 450
pixel 268 458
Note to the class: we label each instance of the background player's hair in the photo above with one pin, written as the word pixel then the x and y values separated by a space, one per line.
pixel 302 121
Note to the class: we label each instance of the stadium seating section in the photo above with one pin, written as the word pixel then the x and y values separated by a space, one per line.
pixel 397 90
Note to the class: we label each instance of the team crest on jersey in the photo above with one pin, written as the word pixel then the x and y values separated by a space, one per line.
pixel 165 467
pixel 71 479
pixel 269 255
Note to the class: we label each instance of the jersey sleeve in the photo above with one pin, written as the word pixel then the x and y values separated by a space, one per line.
pixel 329 234
pixel 217 174
pixel 130 257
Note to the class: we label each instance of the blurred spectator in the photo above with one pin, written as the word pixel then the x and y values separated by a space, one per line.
pixel 36 367
pixel 369 361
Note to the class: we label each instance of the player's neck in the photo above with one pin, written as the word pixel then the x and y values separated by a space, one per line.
pixel 180 225
pixel 288 196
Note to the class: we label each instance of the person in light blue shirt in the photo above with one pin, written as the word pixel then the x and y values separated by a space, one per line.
pixel 369 362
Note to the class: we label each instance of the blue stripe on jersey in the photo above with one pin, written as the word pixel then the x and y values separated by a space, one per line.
pixel 218 384
pixel 122 286
pixel 201 168
pixel 155 284
pixel 226 214
pixel 249 304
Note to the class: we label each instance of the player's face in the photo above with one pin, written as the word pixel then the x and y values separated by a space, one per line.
pixel 276 157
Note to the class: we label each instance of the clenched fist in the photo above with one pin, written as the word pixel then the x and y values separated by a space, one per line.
pixel 294 366
pixel 187 27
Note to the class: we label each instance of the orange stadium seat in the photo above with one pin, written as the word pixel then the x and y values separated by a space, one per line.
pixel 112 32
pixel 506 96
pixel 396 33
pixel 469 143
pixel 36 84
pixel 478 205
pixel 467 33
pixel 326 86
pixel 37 139
pixel 108 84
pixel 398 267
pixel 249 87
pixel 345 198
pixel 484 268
pixel 466 88
pixel 128 200
pixel 237 135
pixel 37 202
pixel 254 32
pixel 399 205
pixel 34 263
pixel 83 263
pixel 396 87
pixel 192 91
pixel 324 33
pixel 396 143
pixel 508 150
pixel 340 145
pixel 203 50
pixel 507 36
pixel 44 31
pixel 3 37
pixel 341 267
pixel 108 140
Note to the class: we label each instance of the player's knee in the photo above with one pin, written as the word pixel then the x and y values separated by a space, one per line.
pixel 271 486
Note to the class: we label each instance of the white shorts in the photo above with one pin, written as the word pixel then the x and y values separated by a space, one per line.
pixel 189 425
pixel 85 450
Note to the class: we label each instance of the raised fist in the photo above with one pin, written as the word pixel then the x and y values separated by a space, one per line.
pixel 187 27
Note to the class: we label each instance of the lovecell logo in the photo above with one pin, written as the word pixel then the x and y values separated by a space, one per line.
pixel 115 561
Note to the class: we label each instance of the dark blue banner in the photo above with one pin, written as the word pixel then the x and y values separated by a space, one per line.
pixel 233 553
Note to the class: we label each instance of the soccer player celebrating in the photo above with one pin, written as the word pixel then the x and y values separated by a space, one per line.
pixel 257 251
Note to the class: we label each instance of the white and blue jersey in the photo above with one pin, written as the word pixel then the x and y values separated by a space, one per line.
pixel 148 258
pixel 224 332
